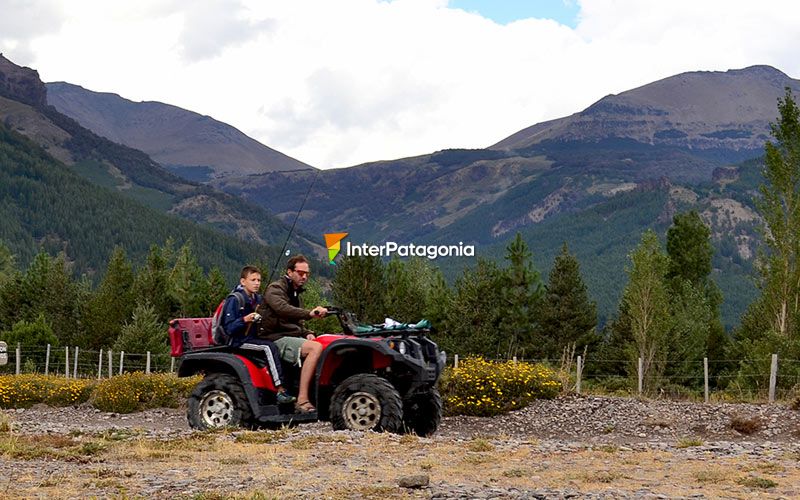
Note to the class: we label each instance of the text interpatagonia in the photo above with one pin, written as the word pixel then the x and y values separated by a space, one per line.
pixel 410 250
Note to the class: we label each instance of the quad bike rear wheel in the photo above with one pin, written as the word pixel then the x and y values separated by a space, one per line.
pixel 218 401
pixel 366 402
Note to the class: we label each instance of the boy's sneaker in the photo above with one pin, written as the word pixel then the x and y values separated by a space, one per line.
pixel 285 398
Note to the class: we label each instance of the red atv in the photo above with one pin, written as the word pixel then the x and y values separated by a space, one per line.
pixel 368 378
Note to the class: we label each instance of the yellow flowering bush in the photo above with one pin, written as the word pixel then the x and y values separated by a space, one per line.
pixel 485 388
pixel 137 391
pixel 22 391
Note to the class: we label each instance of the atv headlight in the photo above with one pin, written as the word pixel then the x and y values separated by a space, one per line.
pixel 402 348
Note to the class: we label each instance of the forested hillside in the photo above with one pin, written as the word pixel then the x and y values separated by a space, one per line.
pixel 44 205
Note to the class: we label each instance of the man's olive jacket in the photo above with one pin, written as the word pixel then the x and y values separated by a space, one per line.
pixel 282 313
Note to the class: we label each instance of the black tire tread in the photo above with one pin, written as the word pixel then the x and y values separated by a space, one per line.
pixel 391 404
pixel 222 382
pixel 422 412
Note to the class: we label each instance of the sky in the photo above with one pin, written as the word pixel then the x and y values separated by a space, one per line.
pixel 336 83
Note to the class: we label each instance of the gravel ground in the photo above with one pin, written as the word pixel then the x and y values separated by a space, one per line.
pixel 562 433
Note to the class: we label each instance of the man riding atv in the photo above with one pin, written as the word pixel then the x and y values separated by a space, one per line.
pixel 283 322
pixel 371 377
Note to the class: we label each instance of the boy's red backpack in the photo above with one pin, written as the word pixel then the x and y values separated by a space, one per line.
pixel 218 333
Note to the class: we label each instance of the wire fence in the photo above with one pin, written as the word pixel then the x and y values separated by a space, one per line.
pixel 772 377
pixel 74 362
pixel 706 375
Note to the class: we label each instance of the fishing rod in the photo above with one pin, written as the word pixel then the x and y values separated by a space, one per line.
pixel 291 230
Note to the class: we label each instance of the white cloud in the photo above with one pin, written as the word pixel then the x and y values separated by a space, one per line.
pixel 21 21
pixel 339 83
pixel 211 26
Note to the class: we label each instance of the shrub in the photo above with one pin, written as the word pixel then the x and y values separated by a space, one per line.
pixel 22 391
pixel 689 442
pixel 757 482
pixel 484 388
pixel 136 391
pixel 31 335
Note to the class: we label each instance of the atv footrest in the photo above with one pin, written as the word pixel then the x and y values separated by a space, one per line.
pixel 287 418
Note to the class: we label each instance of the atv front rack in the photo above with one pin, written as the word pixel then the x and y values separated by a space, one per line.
pixel 351 326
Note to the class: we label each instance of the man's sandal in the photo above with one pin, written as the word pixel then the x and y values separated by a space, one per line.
pixel 304 407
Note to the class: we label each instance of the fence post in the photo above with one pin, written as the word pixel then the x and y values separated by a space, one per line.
pixel 455 361
pixel 100 365
pixel 47 360
pixel 172 365
pixel 705 376
pixel 19 357
pixel 641 377
pixel 773 375
pixel 110 374
pixel 66 362
pixel 579 370
pixel 75 363
pixel 147 365
pixel 121 360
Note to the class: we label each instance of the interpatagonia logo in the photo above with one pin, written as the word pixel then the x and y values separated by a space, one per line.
pixel 334 243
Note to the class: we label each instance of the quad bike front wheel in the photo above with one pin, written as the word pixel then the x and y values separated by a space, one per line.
pixel 422 412
pixel 218 401
pixel 366 402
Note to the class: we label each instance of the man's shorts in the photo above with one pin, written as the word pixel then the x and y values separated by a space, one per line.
pixel 289 348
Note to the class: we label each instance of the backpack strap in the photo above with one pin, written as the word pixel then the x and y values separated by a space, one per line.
pixel 239 298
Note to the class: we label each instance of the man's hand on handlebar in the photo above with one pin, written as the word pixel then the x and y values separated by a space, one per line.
pixel 319 312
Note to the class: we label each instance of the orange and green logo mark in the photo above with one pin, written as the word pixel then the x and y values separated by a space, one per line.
pixel 334 243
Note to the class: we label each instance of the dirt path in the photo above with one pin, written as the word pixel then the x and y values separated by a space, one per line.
pixel 589 447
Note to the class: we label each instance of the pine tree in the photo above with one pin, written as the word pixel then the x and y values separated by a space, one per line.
pixel 440 301
pixel 152 283
pixel 218 289
pixel 409 287
pixel 110 306
pixel 187 285
pixel 521 290
pixel 472 323
pixel 695 297
pixel 47 287
pixel 689 249
pixel 567 316
pixel 143 333
pixel 359 287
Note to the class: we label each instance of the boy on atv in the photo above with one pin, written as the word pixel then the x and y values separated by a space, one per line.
pixel 238 318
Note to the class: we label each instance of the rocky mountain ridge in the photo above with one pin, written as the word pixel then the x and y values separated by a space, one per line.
pixel 191 145
pixel 703 110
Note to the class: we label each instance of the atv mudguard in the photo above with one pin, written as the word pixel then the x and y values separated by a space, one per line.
pixel 251 376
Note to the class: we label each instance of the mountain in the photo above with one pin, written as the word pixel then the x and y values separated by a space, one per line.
pixel 706 111
pixel 130 172
pixel 595 179
pixel 191 145
pixel 45 205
